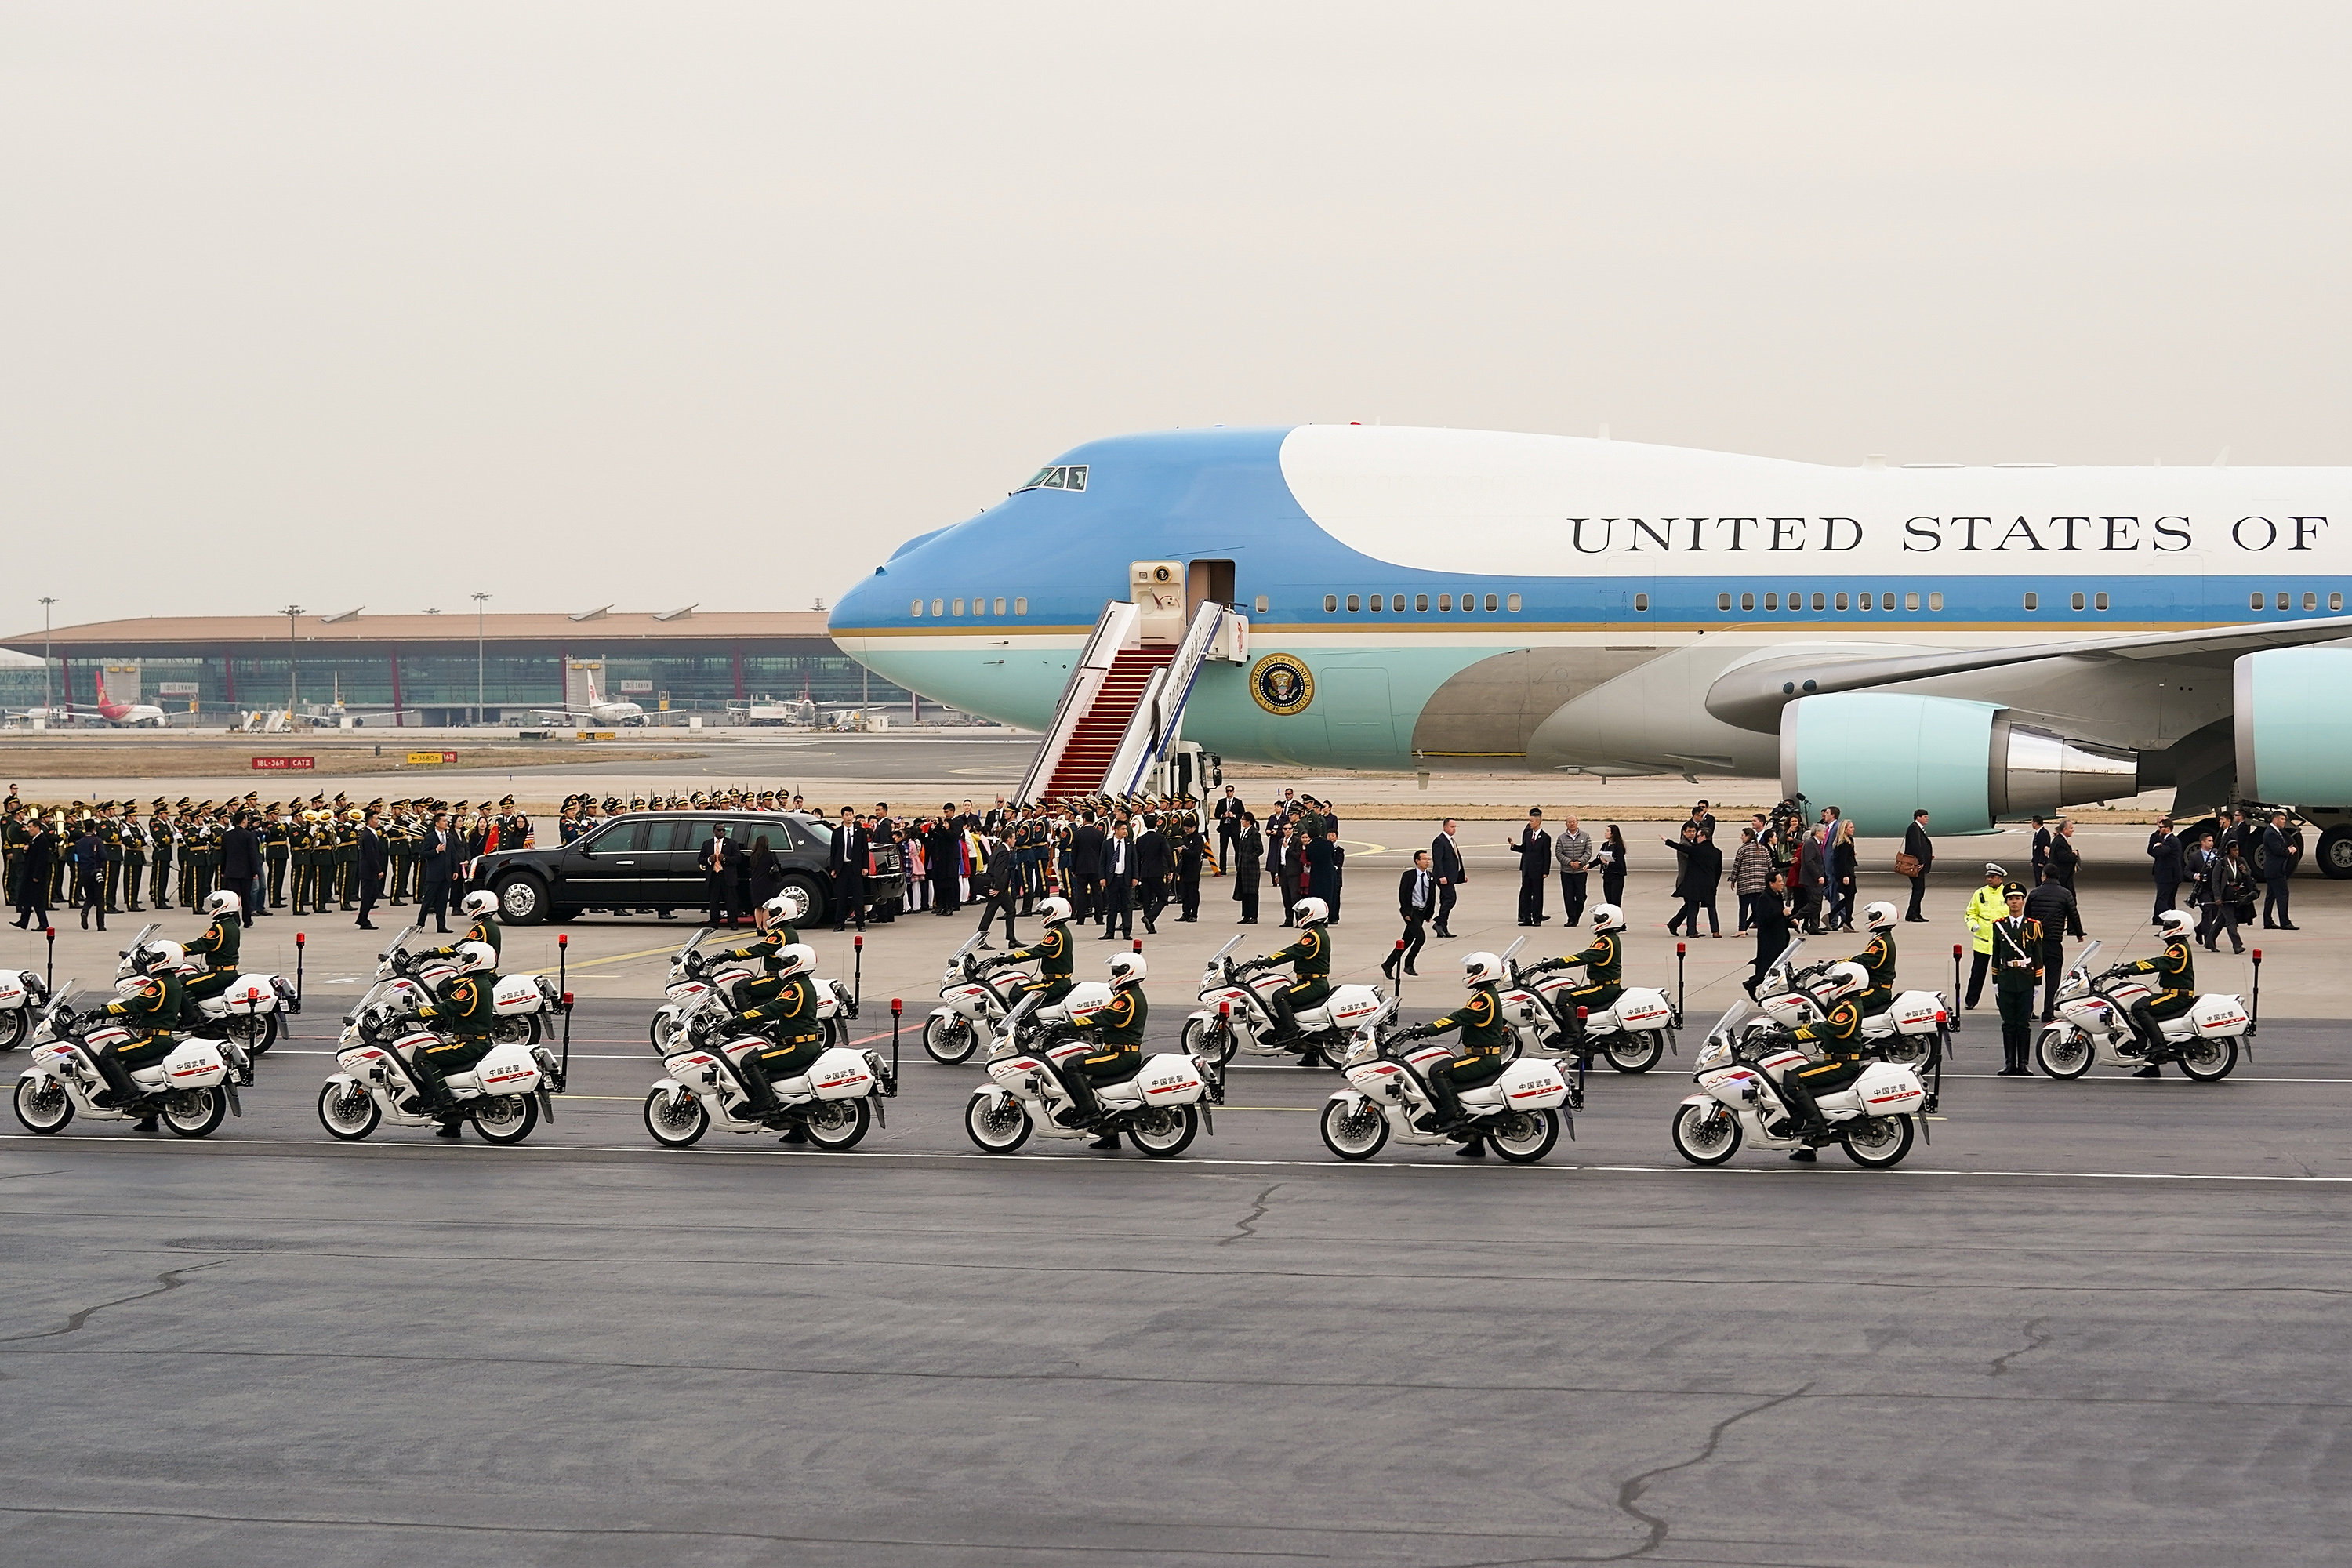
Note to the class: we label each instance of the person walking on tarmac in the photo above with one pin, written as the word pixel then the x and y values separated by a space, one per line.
pixel 217 946
pixel 789 1019
pixel 1604 963
pixel 1484 1039
pixel 2016 974
pixel 1877 960
pixel 149 1007
pixel 1117 1027
pixel 1837 1036
pixel 2177 967
pixel 478 909
pixel 1310 966
pixel 1050 952
pixel 465 1016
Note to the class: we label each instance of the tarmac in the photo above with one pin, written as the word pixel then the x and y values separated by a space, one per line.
pixel 2098 1323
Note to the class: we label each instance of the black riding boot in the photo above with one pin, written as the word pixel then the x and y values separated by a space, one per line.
pixel 120 1088
pixel 1445 1101
pixel 1083 1105
pixel 1286 1016
pixel 762 1100
pixel 2151 1038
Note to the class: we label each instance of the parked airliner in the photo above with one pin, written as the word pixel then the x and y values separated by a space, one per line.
pixel 1980 640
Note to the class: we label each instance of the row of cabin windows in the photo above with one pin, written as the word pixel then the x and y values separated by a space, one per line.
pixel 2286 601
pixel 955 607
pixel 1359 602
pixel 1859 603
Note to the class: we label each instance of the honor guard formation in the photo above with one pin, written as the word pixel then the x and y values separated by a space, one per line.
pixel 1828 1053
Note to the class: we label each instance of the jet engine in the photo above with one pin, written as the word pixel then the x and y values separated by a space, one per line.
pixel 2294 741
pixel 1879 756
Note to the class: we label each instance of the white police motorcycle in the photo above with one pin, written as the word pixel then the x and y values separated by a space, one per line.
pixel 23 994
pixel 503 1096
pixel 705 1084
pixel 1161 1109
pixel 191 1091
pixel 527 1004
pixel 1632 1034
pixel 697 984
pixel 1519 1115
pixel 2092 1027
pixel 1740 1100
pixel 1913 1031
pixel 975 994
pixel 1237 1016
pixel 246 1013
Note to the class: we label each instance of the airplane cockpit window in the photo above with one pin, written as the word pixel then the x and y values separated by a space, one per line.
pixel 1065 477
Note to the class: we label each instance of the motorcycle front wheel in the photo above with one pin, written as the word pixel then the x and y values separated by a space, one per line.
pixel 348 1111
pixel 1209 1041
pixel 1705 1134
pixel 43 1105
pixel 2063 1053
pixel 2211 1061
pixel 951 1039
pixel 998 1128
pixel 1166 1132
pixel 1524 1137
pixel 676 1126
pixel 839 1124
pixel 14 1026
pixel 196 1112
pixel 504 1119
pixel 1879 1142
pixel 1637 1052
pixel 1354 1131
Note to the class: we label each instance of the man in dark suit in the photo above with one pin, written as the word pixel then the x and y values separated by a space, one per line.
pixel 943 853
pixel 1117 884
pixel 241 866
pixel 2062 861
pixel 1086 842
pixel 1228 824
pixel 1416 900
pixel 37 864
pixel 847 862
pixel 1152 864
pixel 438 852
pixel 374 859
pixel 1445 865
pixel 1191 848
pixel 1533 848
pixel 1921 848
pixel 2279 853
pixel 717 858
pixel 2169 864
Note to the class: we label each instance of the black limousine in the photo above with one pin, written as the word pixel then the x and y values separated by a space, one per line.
pixel 650 860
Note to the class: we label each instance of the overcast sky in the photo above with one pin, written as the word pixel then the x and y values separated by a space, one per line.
pixel 584 303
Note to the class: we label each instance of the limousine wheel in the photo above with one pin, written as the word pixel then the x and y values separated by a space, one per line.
pixel 522 900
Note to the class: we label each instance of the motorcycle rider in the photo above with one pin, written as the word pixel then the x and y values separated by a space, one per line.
pixel 797 1038
pixel 1877 960
pixel 465 1016
pixel 149 1003
pixel 1310 964
pixel 478 907
pixel 1837 1036
pixel 2178 969
pixel 783 911
pixel 1117 1029
pixel 217 946
pixel 1484 1039
pixel 1051 951
pixel 1604 968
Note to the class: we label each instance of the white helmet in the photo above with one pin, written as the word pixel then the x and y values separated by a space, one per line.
pixel 1880 916
pixel 1482 969
pixel 1085 1001
pixel 476 955
pixel 791 906
pixel 1126 966
pixel 481 901
pixel 157 955
pixel 223 903
pixel 1055 911
pixel 1845 978
pixel 797 958
pixel 1608 917
pixel 1310 912
pixel 2176 922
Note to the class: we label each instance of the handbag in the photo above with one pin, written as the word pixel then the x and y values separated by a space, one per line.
pixel 1906 864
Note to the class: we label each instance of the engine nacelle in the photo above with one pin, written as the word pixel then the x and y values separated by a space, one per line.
pixel 2294 737
pixel 1878 756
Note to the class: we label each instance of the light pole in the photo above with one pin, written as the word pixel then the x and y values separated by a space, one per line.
pixel 48 699
pixel 479 600
pixel 293 693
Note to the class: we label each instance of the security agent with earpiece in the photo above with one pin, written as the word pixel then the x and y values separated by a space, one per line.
pixel 1837 1036
pixel 1117 1027
pixel 1485 1039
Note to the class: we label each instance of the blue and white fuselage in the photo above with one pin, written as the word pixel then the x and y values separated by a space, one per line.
pixel 1473 599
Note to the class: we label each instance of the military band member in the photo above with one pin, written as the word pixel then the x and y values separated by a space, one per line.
pixel 276 847
pixel 164 843
pixel 134 855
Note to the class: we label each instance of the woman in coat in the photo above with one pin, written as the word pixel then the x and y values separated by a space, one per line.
pixel 1249 853
pixel 1611 856
pixel 766 875
pixel 1843 858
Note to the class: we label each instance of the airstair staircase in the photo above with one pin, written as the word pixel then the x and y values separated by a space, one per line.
pixel 1122 713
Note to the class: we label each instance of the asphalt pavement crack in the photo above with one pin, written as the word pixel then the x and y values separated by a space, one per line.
pixel 1246 1226
pixel 2037 1334
pixel 1629 1493
pixel 166 1282
pixel 27 1175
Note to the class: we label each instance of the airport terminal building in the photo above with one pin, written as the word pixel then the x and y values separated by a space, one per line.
pixel 423 668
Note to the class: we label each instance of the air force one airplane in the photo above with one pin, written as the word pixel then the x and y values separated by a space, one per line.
pixel 1984 642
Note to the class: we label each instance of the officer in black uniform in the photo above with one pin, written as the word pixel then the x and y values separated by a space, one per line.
pixel 1484 1039
pixel 1837 1036
pixel 135 856
pixel 166 835
pixel 2175 967
pixel 1310 966
pixel 277 850
pixel 1118 1030
pixel 2016 970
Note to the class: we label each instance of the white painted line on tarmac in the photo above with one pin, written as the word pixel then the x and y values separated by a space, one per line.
pixel 1791 1171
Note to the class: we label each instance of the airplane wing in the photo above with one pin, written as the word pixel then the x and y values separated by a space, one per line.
pixel 1751 696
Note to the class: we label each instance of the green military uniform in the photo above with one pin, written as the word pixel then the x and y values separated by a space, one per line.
pixel 1118 1027
pixel 1604 971
pixel 1837 1035
pixel 799 1037
pixel 2016 974
pixel 483 930
pixel 1310 966
pixel 347 860
pixel 465 1011
pixel 1484 1039
pixel 165 835
pixel 767 949
pixel 1877 960
pixel 276 848
pixel 110 837
pixel 134 857
pixel 1051 952
pixel 2177 972
pixel 218 948
pixel 150 1009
